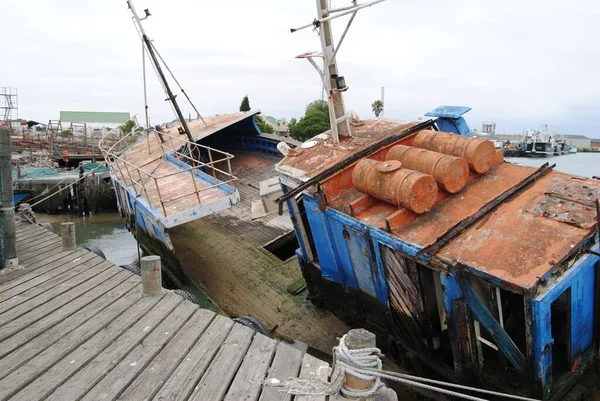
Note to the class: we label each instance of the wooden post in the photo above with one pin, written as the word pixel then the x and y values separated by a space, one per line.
pixel 67 230
pixel 151 276
pixel 357 339
pixel 7 207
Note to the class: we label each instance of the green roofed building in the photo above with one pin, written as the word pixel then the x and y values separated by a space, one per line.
pixel 100 118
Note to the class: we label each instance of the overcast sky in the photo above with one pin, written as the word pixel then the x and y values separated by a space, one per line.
pixel 520 63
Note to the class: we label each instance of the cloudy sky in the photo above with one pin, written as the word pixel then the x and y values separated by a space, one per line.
pixel 520 63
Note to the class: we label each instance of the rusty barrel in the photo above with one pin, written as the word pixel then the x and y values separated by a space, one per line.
pixel 388 182
pixel 451 173
pixel 499 157
pixel 479 153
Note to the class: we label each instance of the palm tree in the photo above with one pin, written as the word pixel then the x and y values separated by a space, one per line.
pixel 377 107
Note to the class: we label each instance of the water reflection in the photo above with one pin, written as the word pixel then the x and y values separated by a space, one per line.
pixel 104 230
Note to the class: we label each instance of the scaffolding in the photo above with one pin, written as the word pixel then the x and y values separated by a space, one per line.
pixel 9 106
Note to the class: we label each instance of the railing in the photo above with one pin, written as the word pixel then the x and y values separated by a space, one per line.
pixel 169 145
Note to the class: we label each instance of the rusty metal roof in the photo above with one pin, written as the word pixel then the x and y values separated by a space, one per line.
pixel 305 163
pixel 201 129
pixel 517 244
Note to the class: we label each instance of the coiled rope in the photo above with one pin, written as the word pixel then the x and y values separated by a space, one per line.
pixel 365 364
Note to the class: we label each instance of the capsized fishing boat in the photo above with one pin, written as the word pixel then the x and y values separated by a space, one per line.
pixel 187 194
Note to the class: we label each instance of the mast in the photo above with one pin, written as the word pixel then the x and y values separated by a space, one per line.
pixel 184 129
pixel 333 83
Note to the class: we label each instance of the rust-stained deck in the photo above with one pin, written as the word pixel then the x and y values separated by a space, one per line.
pixel 518 243
pixel 75 327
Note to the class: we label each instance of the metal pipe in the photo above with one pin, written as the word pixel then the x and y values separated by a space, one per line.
pixel 8 207
pixel 317 22
pixel 343 35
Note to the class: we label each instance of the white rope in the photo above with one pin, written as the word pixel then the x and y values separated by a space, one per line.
pixel 365 364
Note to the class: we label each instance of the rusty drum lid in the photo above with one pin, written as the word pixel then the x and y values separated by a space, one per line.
pixel 389 166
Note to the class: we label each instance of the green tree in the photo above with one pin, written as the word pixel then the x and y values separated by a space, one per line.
pixel 377 107
pixel 292 125
pixel 314 122
pixel 263 126
pixel 127 126
pixel 245 106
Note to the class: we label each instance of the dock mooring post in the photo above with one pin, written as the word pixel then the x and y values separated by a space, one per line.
pixel 67 230
pixel 8 206
pixel 151 276
pixel 359 339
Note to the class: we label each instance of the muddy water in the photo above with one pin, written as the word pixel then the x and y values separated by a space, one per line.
pixel 104 230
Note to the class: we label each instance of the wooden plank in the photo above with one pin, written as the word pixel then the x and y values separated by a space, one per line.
pixel 31 269
pixel 9 324
pixel 54 246
pixel 184 379
pixel 286 364
pixel 89 375
pixel 6 286
pixel 27 372
pixel 43 334
pixel 43 300
pixel 149 382
pixel 247 382
pixel 22 229
pixel 313 368
pixel 29 230
pixel 219 375
pixel 45 382
pixel 44 282
pixel 26 248
pixel 118 379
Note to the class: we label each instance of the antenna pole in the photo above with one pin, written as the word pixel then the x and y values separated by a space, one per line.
pixel 170 96
pixel 337 109
pixel 333 84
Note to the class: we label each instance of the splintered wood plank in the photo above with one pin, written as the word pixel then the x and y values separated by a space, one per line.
pixel 27 372
pixel 149 382
pixel 9 324
pixel 47 381
pixel 32 288
pixel 286 364
pixel 313 368
pixel 33 339
pixel 82 272
pixel 219 375
pixel 88 376
pixel 184 379
pixel 247 382
pixel 118 379
pixel 27 271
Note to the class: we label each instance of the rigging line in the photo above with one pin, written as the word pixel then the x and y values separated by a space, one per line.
pixel 154 66
pixel 177 82
pixel 145 96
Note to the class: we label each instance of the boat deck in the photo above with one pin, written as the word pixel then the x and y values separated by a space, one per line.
pixel 75 326
pixel 224 254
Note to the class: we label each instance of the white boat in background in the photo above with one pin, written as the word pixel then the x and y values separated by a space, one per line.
pixel 573 150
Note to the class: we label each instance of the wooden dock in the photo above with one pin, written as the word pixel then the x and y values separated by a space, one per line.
pixel 74 326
